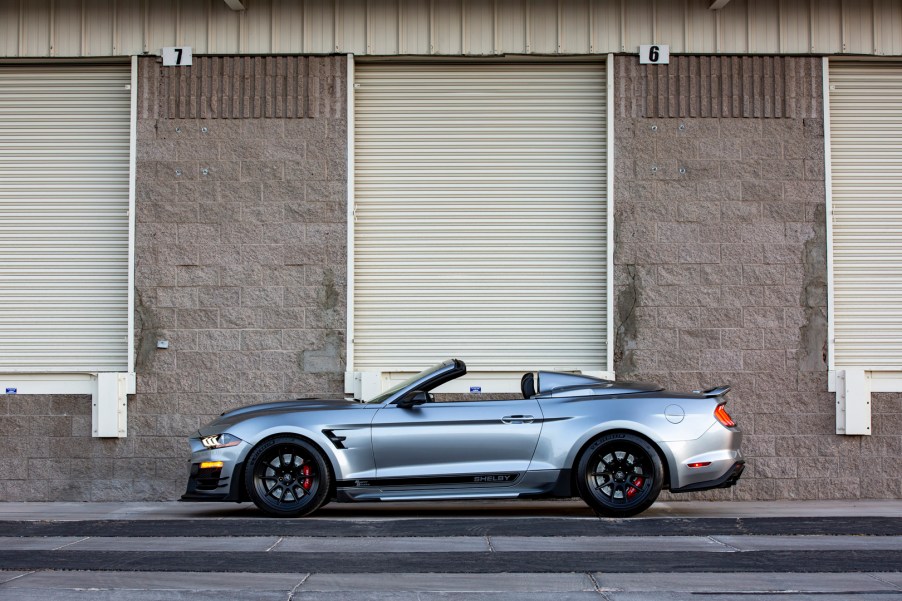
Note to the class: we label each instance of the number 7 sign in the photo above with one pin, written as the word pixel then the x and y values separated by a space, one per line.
pixel 177 56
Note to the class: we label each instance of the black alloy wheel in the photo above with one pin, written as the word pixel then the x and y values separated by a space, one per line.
pixel 287 477
pixel 620 475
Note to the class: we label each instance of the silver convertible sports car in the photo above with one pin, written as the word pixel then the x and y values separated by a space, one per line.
pixel 614 444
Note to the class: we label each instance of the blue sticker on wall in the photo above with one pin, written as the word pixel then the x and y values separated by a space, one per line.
pixel 475 388
pixel 10 391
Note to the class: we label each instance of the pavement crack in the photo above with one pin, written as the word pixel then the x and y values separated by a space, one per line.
pixel 595 584
pixel 297 586
pixel 882 581
pixel 723 544
pixel 17 577
pixel 75 542
pixel 275 544
pixel 488 541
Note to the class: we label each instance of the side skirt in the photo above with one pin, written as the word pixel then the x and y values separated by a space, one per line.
pixel 462 486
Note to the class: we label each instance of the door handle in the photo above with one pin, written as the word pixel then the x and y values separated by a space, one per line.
pixel 517 419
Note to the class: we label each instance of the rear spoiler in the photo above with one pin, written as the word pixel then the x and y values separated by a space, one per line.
pixel 716 391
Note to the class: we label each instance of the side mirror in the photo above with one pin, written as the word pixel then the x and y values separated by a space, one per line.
pixel 417 397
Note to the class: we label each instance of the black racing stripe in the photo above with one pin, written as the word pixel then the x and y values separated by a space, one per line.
pixel 216 525
pixel 608 561
pixel 480 479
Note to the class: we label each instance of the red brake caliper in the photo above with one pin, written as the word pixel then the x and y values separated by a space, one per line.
pixel 637 485
pixel 308 481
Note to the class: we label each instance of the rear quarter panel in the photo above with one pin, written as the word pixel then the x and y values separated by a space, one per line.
pixel 570 423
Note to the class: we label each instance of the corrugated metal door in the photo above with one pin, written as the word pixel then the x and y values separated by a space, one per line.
pixel 866 149
pixel 64 178
pixel 480 218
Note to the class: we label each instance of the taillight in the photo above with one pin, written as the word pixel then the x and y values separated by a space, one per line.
pixel 723 417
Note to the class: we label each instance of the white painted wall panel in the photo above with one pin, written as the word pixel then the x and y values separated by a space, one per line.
pixel 480 219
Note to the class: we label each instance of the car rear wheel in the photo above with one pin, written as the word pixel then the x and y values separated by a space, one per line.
pixel 287 477
pixel 619 475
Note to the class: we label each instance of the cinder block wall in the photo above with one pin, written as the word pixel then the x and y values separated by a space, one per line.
pixel 720 265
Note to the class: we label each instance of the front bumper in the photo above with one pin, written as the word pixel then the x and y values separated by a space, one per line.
pixel 217 484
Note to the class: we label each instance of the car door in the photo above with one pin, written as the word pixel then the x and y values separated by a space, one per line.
pixel 492 440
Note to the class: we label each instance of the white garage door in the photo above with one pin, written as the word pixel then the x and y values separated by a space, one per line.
pixel 866 151
pixel 64 179
pixel 480 221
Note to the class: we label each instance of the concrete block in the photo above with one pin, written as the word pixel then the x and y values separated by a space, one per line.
pixel 261 170
pixel 712 275
pixel 279 318
pixel 151 234
pixel 704 212
pixel 167 212
pixel 674 275
pixel 766 191
pixel 326 191
pixel 263 212
pixel 239 192
pixel 678 317
pixel 707 338
pixel 312 168
pixel 782 169
pixel 184 298
pixel 762 317
pixel 741 254
pixel 219 212
pixel 218 340
pixel 727 189
pixel 155 275
pixel 198 233
pixel 261 340
pixel 196 361
pixel 240 149
pixel 721 317
pixel 194 275
pixel 763 275
pixel 767 361
pixel 734 170
pixel 700 253
pixel 219 254
pixel 804 191
pixel 218 296
pixel 671 232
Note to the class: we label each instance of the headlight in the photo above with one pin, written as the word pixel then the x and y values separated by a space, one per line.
pixel 220 441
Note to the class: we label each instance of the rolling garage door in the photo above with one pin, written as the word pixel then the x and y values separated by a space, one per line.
pixel 64 188
pixel 480 226
pixel 866 161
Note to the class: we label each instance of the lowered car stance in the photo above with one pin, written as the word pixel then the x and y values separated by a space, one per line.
pixel 614 444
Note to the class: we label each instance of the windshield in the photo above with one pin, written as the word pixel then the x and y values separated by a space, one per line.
pixel 414 378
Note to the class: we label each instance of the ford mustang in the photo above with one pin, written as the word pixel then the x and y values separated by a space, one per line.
pixel 614 444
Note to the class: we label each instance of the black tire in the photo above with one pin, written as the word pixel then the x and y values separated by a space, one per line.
pixel 619 475
pixel 287 477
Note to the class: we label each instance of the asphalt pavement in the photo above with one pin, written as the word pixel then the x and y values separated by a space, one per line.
pixel 452 551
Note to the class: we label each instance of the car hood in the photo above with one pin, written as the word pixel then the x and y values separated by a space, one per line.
pixel 296 406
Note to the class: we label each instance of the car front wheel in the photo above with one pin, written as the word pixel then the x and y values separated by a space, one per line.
pixel 287 477
pixel 619 475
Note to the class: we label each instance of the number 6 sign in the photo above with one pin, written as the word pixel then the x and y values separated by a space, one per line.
pixel 654 54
